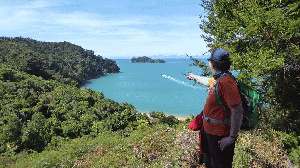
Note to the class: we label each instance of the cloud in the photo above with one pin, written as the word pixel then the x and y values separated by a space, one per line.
pixel 107 34
pixel 41 4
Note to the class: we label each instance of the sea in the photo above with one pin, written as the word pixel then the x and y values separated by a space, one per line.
pixel 152 87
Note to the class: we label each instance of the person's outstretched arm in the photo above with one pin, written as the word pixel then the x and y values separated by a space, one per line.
pixel 200 79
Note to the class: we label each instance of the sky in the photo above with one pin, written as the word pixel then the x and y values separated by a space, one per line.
pixel 111 28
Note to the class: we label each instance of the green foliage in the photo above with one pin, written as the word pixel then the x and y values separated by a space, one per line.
pixel 63 156
pixel 294 155
pixel 33 111
pixel 10 129
pixel 290 142
pixel 61 61
pixel 263 39
pixel 254 149
pixel 201 64
pixel 160 117
pixel 36 134
pixel 154 146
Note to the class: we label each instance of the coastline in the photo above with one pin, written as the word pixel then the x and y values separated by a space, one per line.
pixel 180 118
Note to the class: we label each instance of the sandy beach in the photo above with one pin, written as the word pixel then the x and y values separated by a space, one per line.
pixel 180 118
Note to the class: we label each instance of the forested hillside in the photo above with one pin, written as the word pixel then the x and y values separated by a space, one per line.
pixel 33 111
pixel 62 61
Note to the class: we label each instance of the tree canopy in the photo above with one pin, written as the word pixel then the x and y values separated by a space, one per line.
pixel 263 37
pixel 62 61
pixel 33 111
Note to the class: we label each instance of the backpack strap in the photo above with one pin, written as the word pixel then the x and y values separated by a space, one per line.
pixel 218 97
pixel 220 102
pixel 226 121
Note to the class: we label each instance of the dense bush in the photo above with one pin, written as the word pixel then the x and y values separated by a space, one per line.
pixel 290 142
pixel 150 146
pixel 160 117
pixel 153 146
pixel 62 61
pixel 33 111
pixel 258 149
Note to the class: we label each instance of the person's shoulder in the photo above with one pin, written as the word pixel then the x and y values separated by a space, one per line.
pixel 227 79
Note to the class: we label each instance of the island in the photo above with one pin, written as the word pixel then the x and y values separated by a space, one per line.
pixel 145 59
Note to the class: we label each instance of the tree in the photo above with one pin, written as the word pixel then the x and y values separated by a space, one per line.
pixel 263 37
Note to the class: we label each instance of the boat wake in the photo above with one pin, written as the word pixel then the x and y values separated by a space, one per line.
pixel 178 81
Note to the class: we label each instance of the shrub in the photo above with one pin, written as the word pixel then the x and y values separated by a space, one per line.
pixel 254 150
pixel 160 117
pixel 33 111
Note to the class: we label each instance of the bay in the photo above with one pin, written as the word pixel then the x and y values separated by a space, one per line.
pixel 154 87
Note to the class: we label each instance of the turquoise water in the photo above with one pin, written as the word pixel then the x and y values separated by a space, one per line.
pixel 154 87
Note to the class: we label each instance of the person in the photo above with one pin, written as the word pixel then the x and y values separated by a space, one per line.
pixel 221 124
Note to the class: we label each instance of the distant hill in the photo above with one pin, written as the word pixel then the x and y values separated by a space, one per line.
pixel 62 61
pixel 145 59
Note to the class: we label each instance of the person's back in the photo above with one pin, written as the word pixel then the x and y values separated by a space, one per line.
pixel 230 94
pixel 221 123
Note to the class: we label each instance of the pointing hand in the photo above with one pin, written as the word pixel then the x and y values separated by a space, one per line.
pixel 190 76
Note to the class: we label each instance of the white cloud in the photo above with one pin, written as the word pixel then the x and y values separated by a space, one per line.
pixel 107 35
pixel 39 4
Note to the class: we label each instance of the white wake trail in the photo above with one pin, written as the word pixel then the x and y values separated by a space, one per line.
pixel 178 81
